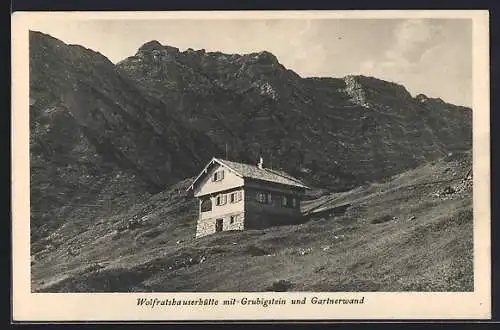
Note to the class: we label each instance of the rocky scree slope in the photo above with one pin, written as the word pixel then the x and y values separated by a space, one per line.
pixel 334 133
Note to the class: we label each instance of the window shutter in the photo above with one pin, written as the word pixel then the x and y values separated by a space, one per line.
pixel 224 200
pixel 239 195
pixel 222 174
pixel 269 198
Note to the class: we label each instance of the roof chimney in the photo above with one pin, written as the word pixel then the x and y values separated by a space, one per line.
pixel 261 162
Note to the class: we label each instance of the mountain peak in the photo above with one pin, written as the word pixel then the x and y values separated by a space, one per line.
pixel 151 45
pixel 264 57
pixel 422 98
pixel 154 47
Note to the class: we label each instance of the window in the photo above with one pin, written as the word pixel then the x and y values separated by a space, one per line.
pixel 218 176
pixel 287 201
pixel 219 225
pixel 206 205
pixel 264 198
pixel 235 197
pixel 221 200
pixel 231 220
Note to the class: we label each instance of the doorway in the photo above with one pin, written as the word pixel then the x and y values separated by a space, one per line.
pixel 219 223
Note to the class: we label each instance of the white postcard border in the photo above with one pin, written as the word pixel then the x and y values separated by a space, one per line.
pixel 29 306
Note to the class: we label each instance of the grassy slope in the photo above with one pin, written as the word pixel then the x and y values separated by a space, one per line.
pixel 397 235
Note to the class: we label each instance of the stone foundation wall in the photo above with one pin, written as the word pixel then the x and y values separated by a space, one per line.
pixel 207 226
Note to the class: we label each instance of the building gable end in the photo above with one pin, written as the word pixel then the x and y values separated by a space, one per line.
pixel 206 170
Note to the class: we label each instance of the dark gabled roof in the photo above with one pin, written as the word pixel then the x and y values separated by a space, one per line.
pixel 256 173
pixel 264 174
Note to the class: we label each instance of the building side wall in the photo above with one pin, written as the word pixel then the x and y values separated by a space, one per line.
pixel 259 215
pixel 208 186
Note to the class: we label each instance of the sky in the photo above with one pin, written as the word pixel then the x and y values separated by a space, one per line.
pixel 429 56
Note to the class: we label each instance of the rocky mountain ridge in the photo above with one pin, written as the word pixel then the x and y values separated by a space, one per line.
pixel 104 136
pixel 335 132
pixel 95 137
